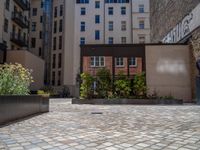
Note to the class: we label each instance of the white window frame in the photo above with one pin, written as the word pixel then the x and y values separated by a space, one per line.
pixel 121 62
pixel 130 65
pixel 97 62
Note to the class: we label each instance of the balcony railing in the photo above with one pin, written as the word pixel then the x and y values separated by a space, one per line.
pixel 24 4
pixel 19 19
pixel 18 39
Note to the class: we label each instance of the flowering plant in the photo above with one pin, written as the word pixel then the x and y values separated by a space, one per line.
pixel 14 79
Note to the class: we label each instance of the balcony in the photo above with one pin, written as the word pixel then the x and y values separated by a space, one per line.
pixel 19 19
pixel 18 40
pixel 24 4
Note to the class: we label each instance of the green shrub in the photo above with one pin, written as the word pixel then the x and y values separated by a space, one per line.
pixel 122 86
pixel 139 85
pixel 86 85
pixel 14 79
pixel 103 83
pixel 43 93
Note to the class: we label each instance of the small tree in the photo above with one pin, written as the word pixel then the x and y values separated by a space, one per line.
pixel 139 85
pixel 14 79
pixel 86 85
pixel 122 86
pixel 195 41
pixel 103 82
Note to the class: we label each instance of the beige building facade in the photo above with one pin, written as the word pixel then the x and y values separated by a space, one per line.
pixel 94 22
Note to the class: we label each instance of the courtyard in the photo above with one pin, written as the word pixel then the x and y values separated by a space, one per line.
pixel 106 127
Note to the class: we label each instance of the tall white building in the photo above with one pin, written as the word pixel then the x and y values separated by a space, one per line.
pixel 94 22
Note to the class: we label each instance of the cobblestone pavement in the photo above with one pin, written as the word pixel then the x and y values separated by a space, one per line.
pixel 75 127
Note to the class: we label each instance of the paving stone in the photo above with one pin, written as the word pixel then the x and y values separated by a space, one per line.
pixel 73 127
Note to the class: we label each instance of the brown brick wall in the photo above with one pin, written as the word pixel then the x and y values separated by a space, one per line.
pixel 108 64
pixel 165 14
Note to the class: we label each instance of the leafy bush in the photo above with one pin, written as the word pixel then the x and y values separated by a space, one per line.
pixel 139 85
pixel 86 85
pixel 103 82
pixel 14 79
pixel 43 93
pixel 122 86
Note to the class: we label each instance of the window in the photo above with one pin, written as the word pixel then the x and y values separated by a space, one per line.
pixel 97 19
pixel 40 36
pixel 123 10
pixel 123 40
pixel 40 51
pixel 119 61
pixel 59 60
pixel 34 12
pixel 141 39
pixel 5 25
pixel 97 61
pixel 54 61
pixel 133 62
pixel 55 27
pixel 97 4
pixel 141 24
pixel 82 26
pixel 33 26
pixel 97 35
pixel 117 1
pixel 141 8
pixel 60 42
pixel 33 42
pixel 123 25
pixel 55 12
pixel 41 19
pixel 60 25
pixel 82 41
pixel 59 78
pixel 110 10
pixel 83 11
pixel 61 10
pixel 82 1
pixel 110 25
pixel 54 43
pixel 42 4
pixel 53 78
pixel 110 40
pixel 7 4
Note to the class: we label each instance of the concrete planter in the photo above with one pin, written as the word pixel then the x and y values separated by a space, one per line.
pixel 127 101
pixel 18 107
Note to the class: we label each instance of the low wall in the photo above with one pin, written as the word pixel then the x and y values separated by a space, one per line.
pixel 18 107
pixel 127 101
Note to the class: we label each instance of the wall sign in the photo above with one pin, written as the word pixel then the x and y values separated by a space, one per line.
pixel 184 27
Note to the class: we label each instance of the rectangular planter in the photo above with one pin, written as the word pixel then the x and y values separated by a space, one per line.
pixel 127 101
pixel 18 107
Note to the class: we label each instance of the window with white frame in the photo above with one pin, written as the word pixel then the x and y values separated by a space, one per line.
pixel 123 25
pixel 133 62
pixel 141 8
pixel 123 40
pixel 97 61
pixel 141 38
pixel 141 24
pixel 110 25
pixel 119 62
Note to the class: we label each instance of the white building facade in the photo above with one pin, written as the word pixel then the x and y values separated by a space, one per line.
pixel 96 22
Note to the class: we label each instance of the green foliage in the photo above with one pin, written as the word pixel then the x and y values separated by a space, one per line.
pixel 14 79
pixel 122 86
pixel 43 93
pixel 49 90
pixel 103 83
pixel 86 85
pixel 139 85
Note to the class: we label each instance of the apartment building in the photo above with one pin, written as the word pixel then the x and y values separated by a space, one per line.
pixel 14 25
pixel 93 22
pixel 40 32
pixel 57 49
pixel 14 37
